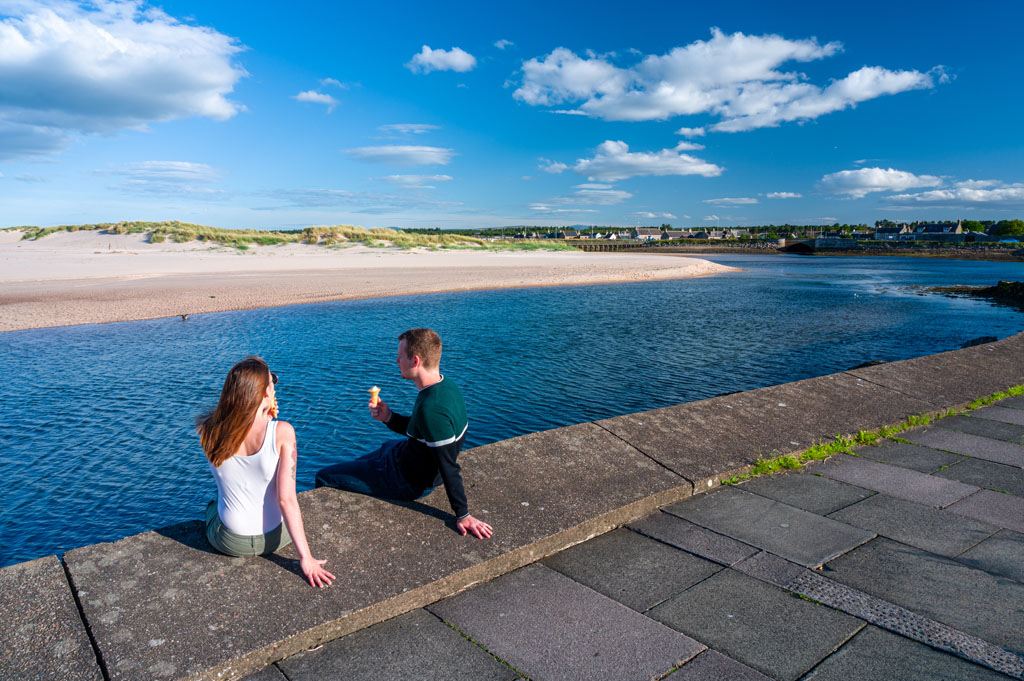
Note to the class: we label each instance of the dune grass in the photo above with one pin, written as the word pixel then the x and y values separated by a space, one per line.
pixel 333 236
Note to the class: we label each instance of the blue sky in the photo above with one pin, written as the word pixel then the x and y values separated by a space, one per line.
pixel 399 114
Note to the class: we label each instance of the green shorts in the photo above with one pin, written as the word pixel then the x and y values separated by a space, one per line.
pixel 231 544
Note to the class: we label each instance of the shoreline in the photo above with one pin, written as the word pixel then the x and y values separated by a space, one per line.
pixel 79 278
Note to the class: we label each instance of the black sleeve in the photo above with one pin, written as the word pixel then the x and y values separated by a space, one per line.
pixel 451 475
pixel 398 423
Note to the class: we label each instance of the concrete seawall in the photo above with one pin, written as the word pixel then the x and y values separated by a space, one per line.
pixel 162 605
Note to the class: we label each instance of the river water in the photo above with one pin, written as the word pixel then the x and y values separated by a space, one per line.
pixel 98 441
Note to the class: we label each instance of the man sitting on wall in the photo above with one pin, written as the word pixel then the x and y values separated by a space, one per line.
pixel 434 432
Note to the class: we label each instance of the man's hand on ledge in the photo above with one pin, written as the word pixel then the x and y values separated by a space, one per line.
pixel 477 528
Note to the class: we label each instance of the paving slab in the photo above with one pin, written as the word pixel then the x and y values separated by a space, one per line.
pixel 905 455
pixel 894 481
pixel 757 624
pixel 969 445
pixel 631 569
pixel 1001 554
pixel 806 490
pixel 695 539
pixel 877 655
pixel 1002 510
pixel 1015 402
pixel 997 430
pixel 924 527
pixel 549 627
pixel 950 379
pixel 995 412
pixel 794 534
pixel 536 490
pixel 712 439
pixel 271 673
pixel 899 620
pixel 41 634
pixel 416 645
pixel 988 475
pixel 770 568
pixel 714 666
pixel 938 588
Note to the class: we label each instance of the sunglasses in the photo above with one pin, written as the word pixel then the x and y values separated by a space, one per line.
pixel 273 377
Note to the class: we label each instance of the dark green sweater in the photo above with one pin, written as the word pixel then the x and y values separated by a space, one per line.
pixel 436 430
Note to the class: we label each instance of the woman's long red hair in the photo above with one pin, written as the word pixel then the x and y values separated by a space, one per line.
pixel 222 430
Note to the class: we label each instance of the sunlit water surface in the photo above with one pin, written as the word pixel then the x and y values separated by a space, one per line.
pixel 98 437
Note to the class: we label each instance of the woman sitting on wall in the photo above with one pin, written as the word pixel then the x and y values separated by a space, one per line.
pixel 253 459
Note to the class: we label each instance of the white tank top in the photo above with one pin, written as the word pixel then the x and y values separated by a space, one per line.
pixel 247 489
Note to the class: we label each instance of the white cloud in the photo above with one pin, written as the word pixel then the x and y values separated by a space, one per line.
pixel 104 67
pixel 416 181
pixel 650 215
pixel 736 77
pixel 543 207
pixel 502 44
pixel 554 167
pixel 613 161
pixel 408 128
pixel 691 132
pixel 742 201
pixel 783 195
pixel 599 197
pixel 455 59
pixel 29 178
pixel 359 202
pixel 592 185
pixel 318 98
pixel 334 82
pixel 859 183
pixel 404 155
pixel 169 177
pixel 966 194
pixel 711 217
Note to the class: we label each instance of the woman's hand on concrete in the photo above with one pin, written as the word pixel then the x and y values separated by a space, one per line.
pixel 314 572
pixel 477 528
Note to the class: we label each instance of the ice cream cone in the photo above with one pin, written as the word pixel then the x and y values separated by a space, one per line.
pixel 374 391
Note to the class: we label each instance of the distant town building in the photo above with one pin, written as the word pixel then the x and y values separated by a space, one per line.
pixel 647 233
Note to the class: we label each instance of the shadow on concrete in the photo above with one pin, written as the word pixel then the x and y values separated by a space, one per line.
pixel 192 534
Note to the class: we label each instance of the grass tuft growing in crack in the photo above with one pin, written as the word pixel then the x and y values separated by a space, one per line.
pixel 845 445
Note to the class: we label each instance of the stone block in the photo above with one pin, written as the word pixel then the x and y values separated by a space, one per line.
pixel 714 666
pixel 996 508
pixel 271 673
pixel 939 588
pixel 736 615
pixel 695 539
pixel 924 527
pixel 770 568
pixel 969 445
pixel 549 627
pixel 1015 402
pixel 1001 554
pixel 631 569
pixel 416 645
pixel 981 473
pixel 708 440
pixel 996 430
pixel 904 455
pixel 876 655
pixel 806 490
pixel 894 481
pixel 541 492
pixel 999 413
pixel 41 634
pixel 950 379
pixel 796 535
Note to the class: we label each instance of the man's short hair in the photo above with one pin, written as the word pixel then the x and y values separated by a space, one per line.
pixel 425 343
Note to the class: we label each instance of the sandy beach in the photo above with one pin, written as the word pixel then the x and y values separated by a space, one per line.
pixel 90 277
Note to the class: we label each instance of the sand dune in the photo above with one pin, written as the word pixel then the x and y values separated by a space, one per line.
pixel 90 277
